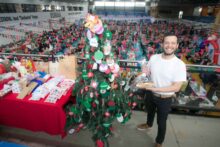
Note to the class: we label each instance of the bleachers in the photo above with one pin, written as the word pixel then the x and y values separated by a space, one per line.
pixel 204 19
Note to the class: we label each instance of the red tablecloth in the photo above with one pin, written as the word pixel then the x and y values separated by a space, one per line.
pixel 34 115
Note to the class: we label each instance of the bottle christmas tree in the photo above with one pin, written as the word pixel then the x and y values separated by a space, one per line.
pixel 99 89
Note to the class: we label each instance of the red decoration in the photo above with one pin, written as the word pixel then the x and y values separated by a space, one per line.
pixel 86 88
pixel 71 113
pixel 134 104
pixel 111 128
pixel 93 104
pixel 81 91
pixel 108 71
pixel 111 103
pixel 12 68
pixel 77 130
pixel 92 49
pixel 94 84
pixel 99 143
pixel 114 85
pixel 96 94
pixel 90 74
pixel 81 125
pixel 107 114
pixel 89 66
pixel 131 94
pixel 100 36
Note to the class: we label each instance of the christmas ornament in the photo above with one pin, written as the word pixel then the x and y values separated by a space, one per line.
pixel 98 61
pixel 106 125
pixel 103 85
pixel 85 75
pixel 91 94
pixel 94 84
pixel 103 67
pixel 108 71
pixel 86 88
pixel 110 62
pixel 120 117
pixel 122 83
pixel 111 103
pixel 107 48
pixel 112 78
pixel 93 42
pixel 71 131
pixel 91 21
pixel 98 55
pixel 99 143
pixel 105 26
pixel 87 55
pixel 134 104
pixel 107 114
pixel 98 28
pixel 114 85
pixel 95 66
pixel 89 66
pixel 89 34
pixel 94 105
pixel 108 34
pixel 71 113
pixel 115 68
pixel 102 91
pixel 81 125
pixel 90 74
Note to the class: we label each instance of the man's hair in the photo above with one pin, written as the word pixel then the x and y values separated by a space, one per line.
pixel 170 34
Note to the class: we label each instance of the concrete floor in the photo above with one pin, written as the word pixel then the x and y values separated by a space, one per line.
pixel 182 131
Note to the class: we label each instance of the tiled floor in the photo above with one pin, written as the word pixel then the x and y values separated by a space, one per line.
pixel 182 131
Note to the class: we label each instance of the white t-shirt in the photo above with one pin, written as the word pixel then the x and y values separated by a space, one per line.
pixel 164 72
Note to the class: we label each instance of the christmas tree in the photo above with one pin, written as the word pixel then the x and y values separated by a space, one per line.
pixel 100 90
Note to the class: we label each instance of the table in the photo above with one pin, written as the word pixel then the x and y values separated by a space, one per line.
pixel 34 115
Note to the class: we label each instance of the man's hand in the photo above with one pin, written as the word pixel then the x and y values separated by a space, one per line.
pixel 153 89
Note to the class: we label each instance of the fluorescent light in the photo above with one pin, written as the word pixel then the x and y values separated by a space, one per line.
pixel 129 4
pixel 140 4
pixel 110 4
pixel 118 4
pixel 99 4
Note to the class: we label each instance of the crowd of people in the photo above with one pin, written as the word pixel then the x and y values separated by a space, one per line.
pixel 130 40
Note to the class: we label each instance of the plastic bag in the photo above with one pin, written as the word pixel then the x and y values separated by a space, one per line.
pixel 139 79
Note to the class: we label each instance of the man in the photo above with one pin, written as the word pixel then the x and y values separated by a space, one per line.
pixel 167 73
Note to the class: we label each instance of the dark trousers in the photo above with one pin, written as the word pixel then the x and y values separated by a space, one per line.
pixel 162 106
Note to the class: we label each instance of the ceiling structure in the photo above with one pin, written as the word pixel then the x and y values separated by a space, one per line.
pixel 194 2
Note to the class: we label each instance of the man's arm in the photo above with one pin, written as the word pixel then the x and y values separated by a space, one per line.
pixel 175 87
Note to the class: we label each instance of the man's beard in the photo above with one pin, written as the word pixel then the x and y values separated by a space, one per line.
pixel 168 54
